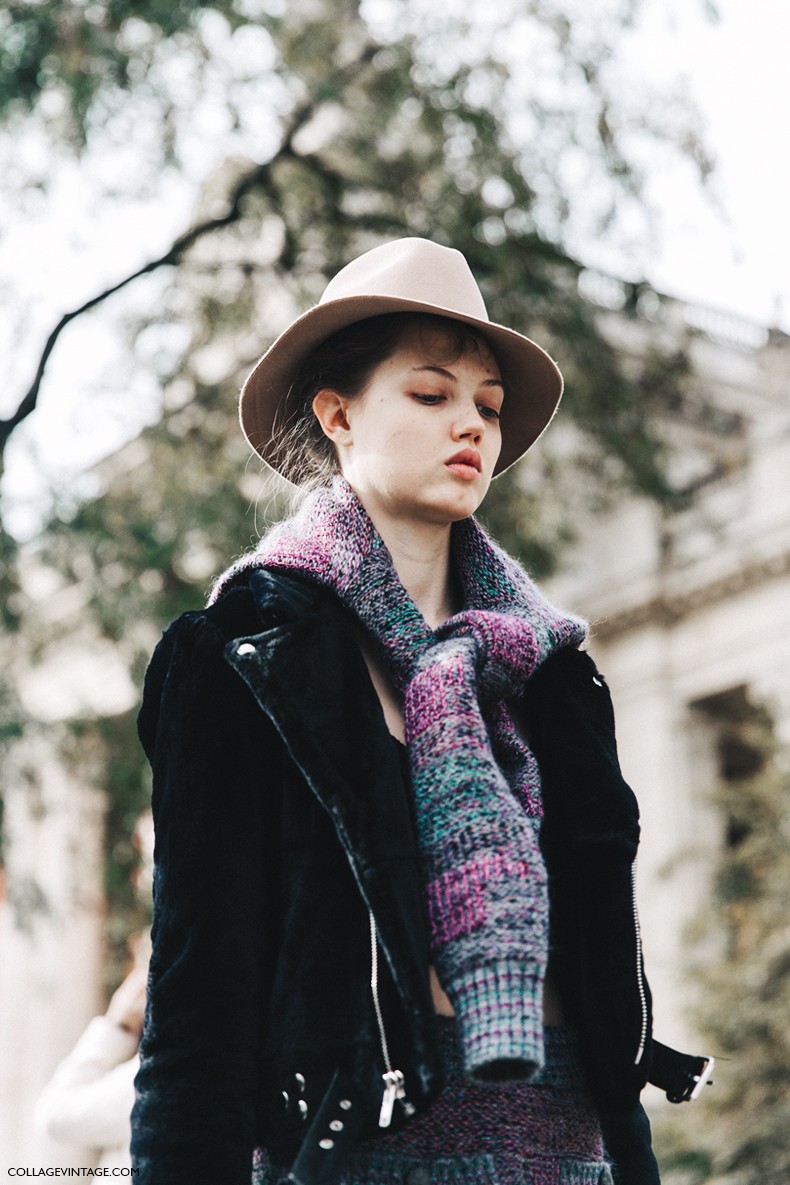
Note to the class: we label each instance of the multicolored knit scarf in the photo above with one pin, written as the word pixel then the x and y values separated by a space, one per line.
pixel 475 781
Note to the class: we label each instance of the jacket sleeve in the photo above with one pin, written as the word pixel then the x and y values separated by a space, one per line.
pixel 214 756
pixel 590 836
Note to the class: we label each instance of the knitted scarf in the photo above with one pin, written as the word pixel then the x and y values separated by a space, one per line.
pixel 475 782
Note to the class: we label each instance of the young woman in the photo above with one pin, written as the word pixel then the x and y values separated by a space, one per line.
pixel 395 937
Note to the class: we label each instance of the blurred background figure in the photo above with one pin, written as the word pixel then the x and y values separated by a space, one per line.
pixel 89 1098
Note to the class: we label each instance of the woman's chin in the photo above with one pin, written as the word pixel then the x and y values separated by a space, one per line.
pixel 452 508
pixel 439 506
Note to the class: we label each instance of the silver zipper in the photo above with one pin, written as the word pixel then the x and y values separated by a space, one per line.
pixel 640 979
pixel 394 1088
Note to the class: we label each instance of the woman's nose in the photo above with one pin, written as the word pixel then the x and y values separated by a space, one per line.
pixel 469 426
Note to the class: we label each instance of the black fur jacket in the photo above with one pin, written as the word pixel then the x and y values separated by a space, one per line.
pixel 285 844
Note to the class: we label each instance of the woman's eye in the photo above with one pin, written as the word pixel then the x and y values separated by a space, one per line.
pixel 488 413
pixel 427 399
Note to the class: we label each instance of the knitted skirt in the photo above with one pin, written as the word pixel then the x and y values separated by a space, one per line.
pixel 544 1132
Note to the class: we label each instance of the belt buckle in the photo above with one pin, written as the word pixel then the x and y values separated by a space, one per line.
pixel 701 1080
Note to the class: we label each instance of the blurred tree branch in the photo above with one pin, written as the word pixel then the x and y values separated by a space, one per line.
pixel 254 178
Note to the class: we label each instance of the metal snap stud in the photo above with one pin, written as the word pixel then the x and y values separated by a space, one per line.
pixel 336 1125
pixel 598 682
pixel 245 648
pixel 286 1099
pixel 303 1108
pixel 345 1104
pixel 326 1144
pixel 299 1080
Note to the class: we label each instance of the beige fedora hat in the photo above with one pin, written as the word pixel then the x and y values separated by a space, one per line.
pixel 403 276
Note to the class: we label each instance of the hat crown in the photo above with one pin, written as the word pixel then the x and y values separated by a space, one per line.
pixel 413 270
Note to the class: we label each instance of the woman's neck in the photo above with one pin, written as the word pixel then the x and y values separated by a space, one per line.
pixel 421 557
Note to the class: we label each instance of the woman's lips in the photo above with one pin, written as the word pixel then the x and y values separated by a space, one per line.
pixel 463 469
pixel 465 464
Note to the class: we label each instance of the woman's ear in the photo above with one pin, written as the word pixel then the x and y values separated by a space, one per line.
pixel 330 411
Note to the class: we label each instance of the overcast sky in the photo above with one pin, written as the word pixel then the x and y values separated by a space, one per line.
pixel 738 71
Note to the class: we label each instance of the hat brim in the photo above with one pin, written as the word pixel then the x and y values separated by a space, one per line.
pixel 532 380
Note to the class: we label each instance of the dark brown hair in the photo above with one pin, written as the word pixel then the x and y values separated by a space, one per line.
pixel 345 363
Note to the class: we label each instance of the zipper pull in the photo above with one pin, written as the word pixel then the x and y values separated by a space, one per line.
pixel 393 1089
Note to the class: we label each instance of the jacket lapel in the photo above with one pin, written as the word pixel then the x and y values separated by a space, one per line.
pixel 307 673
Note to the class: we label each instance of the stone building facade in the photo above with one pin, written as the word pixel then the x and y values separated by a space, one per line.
pixel 691 611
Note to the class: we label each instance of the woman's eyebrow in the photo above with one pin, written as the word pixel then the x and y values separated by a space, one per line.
pixel 447 374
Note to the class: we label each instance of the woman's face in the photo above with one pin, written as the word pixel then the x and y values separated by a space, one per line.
pixel 423 438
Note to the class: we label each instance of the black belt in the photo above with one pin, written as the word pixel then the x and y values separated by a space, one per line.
pixel 331 1136
pixel 681 1075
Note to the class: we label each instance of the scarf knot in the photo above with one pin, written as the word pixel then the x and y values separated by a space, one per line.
pixel 503 649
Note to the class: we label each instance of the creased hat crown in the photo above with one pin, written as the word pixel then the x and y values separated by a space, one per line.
pixel 415 270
